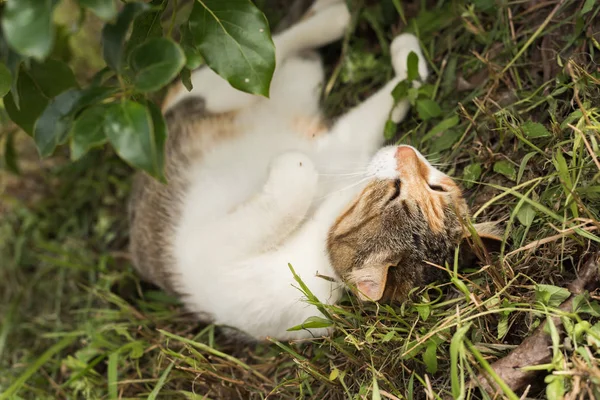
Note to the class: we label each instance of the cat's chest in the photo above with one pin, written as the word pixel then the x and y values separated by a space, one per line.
pixel 231 172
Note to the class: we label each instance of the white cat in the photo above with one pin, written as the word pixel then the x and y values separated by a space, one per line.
pixel 257 183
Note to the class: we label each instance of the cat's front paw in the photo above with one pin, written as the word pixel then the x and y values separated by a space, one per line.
pixel 401 47
pixel 293 178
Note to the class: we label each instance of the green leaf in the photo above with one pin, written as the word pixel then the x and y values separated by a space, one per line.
pixel 130 130
pixel 234 39
pixel 28 26
pixel 5 80
pixel 503 325
pixel 471 174
pixel 445 141
pixel 137 349
pixel 33 103
pixel 105 9
pixel 52 77
pixel 580 329
pixel 574 116
pixel 311 323
pixel 592 340
pixel 428 109
pixel 441 127
pixel 10 154
pixel 155 63
pixel 412 66
pixel 561 166
pixel 186 79
pixel 55 122
pixel 430 358
pixel 555 390
pixel 334 374
pixel 551 295
pixel 583 305
pixel 88 131
pixel 505 168
pixel 424 311
pixel 460 285
pixel 192 55
pixel 389 130
pixel 388 336
pixel 587 7
pixel 93 95
pixel 484 5
pixel 13 62
pixel 147 25
pixel 535 130
pixel 524 165
pixel 425 91
pixel 412 94
pixel 113 35
pixel 400 91
pixel 526 215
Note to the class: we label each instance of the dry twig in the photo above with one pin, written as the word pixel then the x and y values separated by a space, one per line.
pixel 537 348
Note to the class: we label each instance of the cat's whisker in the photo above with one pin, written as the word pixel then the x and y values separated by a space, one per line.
pixel 342 171
pixel 345 188
pixel 343 168
pixel 349 174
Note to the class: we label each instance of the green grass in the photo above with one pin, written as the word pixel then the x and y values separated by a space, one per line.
pixel 518 88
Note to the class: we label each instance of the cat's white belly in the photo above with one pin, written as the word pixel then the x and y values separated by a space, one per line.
pixel 234 171
pixel 254 291
pixel 260 294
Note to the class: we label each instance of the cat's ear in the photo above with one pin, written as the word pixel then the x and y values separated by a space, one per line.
pixel 370 282
pixel 489 230
pixel 479 240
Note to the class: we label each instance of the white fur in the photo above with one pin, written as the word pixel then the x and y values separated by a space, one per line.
pixel 268 197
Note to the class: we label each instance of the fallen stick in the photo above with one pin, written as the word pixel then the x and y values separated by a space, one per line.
pixel 537 348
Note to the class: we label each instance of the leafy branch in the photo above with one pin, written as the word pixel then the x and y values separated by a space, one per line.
pixel 42 96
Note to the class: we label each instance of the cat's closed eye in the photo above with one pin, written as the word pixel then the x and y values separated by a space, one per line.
pixel 437 188
pixel 396 194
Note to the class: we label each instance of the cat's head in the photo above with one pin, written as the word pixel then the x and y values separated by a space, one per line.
pixel 409 216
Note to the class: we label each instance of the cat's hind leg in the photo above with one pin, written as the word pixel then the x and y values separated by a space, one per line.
pixel 296 88
pixel 324 26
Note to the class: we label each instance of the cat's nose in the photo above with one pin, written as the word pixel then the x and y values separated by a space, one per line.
pixel 404 153
pixel 409 165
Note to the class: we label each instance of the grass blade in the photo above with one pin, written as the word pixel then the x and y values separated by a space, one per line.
pixel 43 359
pixel 161 382
pixel 113 362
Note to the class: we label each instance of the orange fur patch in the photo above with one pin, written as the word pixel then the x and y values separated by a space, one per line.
pixel 414 174
pixel 310 127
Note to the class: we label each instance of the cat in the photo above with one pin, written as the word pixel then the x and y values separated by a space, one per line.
pixel 257 183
